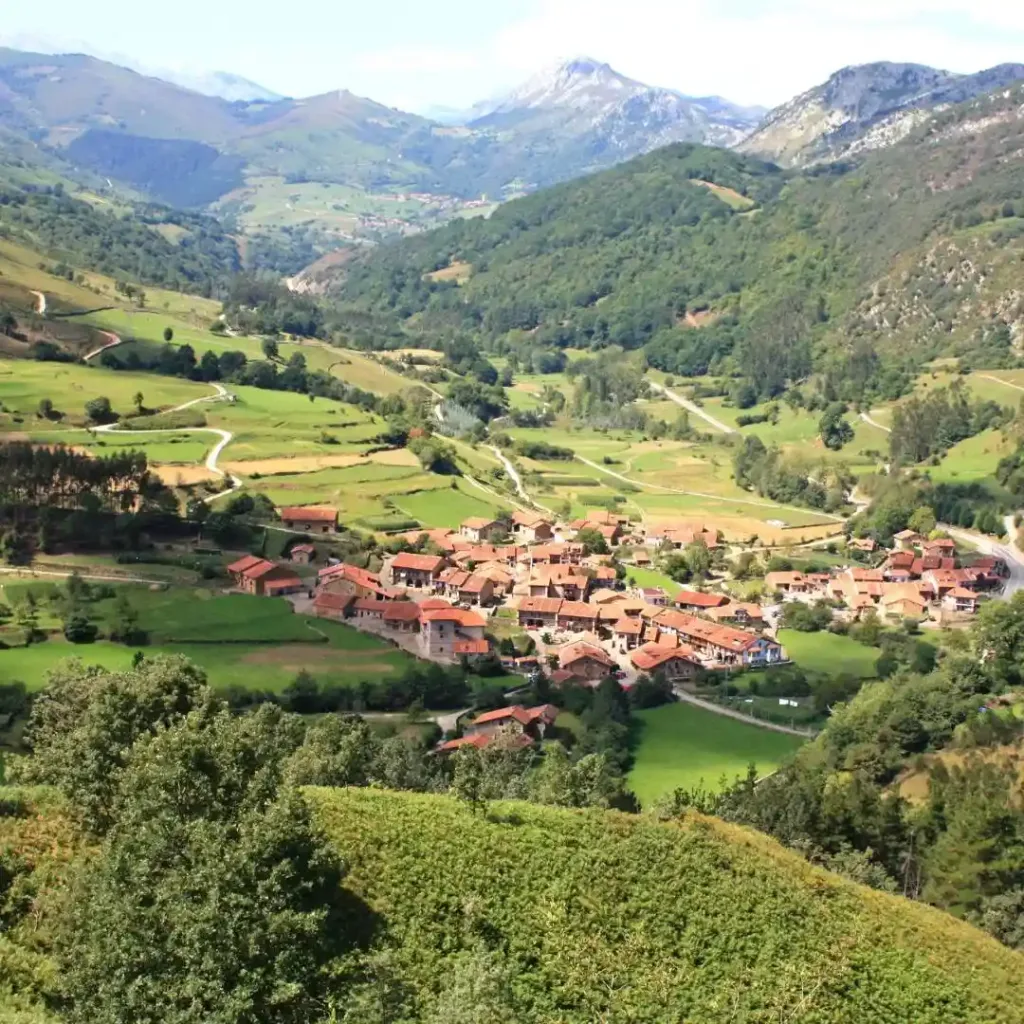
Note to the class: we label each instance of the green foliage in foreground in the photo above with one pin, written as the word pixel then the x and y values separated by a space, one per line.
pixel 600 916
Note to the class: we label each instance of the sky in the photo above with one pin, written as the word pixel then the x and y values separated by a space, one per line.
pixel 418 56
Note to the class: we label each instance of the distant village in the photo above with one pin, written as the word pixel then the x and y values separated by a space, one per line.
pixel 530 576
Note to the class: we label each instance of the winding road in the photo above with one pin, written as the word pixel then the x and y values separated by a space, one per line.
pixel 695 409
pixel 112 341
pixel 225 436
pixel 1008 552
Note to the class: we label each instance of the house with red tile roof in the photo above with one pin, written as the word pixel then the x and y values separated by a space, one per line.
pixel 961 601
pixel 302 554
pixel 263 578
pixel 531 527
pixel 366 610
pixel 539 612
pixel 724 645
pixel 511 741
pixel 584 661
pixel 696 601
pixel 465 587
pixel 414 570
pixel 480 529
pixel 679 662
pixel 442 628
pixel 577 615
pixel 627 633
pixel 516 719
pixel 743 614
pixel 470 648
pixel 310 518
pixel 330 605
pixel 401 616
pixel 351 579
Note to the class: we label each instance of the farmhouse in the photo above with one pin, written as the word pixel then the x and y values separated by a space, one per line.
pixel 721 644
pixel 416 570
pixel 583 661
pixel 302 554
pixel 442 628
pixel 479 529
pixel 789 582
pixel 907 540
pixel 330 605
pixel 961 600
pixel 366 610
pixel 531 528
pixel 311 519
pixel 577 615
pixel 539 612
pixel 465 587
pixel 673 662
pixel 627 633
pixel 739 613
pixel 258 576
pixel 516 719
pixel 695 601
pixel 350 579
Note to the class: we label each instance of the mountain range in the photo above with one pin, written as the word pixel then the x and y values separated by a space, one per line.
pixel 223 142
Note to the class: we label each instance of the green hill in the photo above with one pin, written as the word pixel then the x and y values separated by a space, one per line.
pixel 603 916
pixel 861 270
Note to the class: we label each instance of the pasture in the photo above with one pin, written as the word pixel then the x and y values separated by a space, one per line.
pixel 24 383
pixel 829 653
pixel 254 643
pixel 682 746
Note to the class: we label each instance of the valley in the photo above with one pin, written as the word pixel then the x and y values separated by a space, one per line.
pixel 424 545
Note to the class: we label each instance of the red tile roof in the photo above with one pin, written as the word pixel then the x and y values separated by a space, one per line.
pixel 696 599
pixel 352 573
pixel 464 618
pixel 246 562
pixel 478 523
pixel 574 652
pixel 691 627
pixel 433 603
pixel 259 570
pixel 629 627
pixel 577 610
pixel 652 656
pixel 284 583
pixel 309 514
pixel 368 604
pixel 540 605
pixel 401 611
pixel 326 600
pixel 422 563
pixel 471 647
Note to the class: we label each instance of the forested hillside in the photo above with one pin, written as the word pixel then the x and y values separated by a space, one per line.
pixel 129 244
pixel 861 271
pixel 171 863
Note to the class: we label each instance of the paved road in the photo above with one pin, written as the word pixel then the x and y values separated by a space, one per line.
pixel 711 497
pixel 225 436
pixel 688 698
pixel 695 409
pixel 866 417
pixel 1008 552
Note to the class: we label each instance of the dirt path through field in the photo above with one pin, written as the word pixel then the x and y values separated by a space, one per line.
pixel 40 302
pixel 866 417
pixel 696 410
pixel 225 436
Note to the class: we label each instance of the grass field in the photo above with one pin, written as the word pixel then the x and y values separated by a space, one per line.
pixel 829 653
pixel 447 506
pixel 682 746
pixel 972 460
pixel 23 383
pixel 255 643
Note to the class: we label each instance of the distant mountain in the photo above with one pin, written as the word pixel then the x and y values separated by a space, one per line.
pixel 583 115
pixel 233 88
pixel 865 107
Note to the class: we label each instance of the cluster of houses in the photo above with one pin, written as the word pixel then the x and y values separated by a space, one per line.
pixel 919 579
pixel 587 623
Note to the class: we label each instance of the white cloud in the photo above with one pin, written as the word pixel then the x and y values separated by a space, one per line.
pixel 761 51
pixel 418 60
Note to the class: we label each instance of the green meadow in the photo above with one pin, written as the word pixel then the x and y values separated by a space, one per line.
pixel 682 746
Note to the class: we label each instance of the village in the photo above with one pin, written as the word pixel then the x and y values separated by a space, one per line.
pixel 524 590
